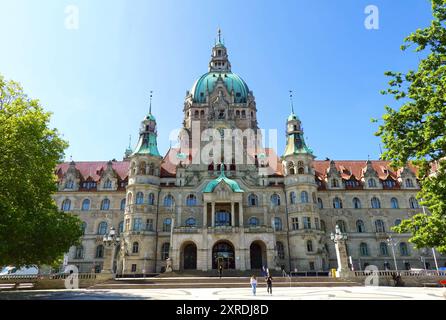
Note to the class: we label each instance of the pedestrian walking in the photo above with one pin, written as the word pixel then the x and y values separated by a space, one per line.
pixel 283 271
pixel 269 284
pixel 253 284
pixel 220 270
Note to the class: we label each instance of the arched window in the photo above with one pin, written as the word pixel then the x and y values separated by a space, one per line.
pixel 372 183
pixel 291 168
pixel 191 200
pixel 356 203
pixel 79 253
pixel 121 227
pixel 394 203
pixel 409 183
pixel 341 225
pixel 139 198
pixel 135 247
pixel 313 195
pixel 310 246
pixel 105 204
pixel 122 206
pixel 275 200
pixel 379 226
pixel 376 204
pixel 323 227
pixel 278 224
pixel 334 183
pixel 66 205
pixel 320 204
pixel 191 222
pixel 300 170
pixel 360 226
pixel 84 227
pixel 100 251
pixel 337 203
pixel 293 197
pixel 107 184
pixel 253 222
pixel 151 169
pixel 151 199
pixel 168 200
pixel 383 249
pixel 280 250
pixel 363 249
pixel 253 200
pixel 165 251
pixel 397 222
pixel 142 168
pixel 167 224
pixel 304 197
pixel 130 198
pixel 404 250
pixel 413 203
pixel 102 228
pixel 86 205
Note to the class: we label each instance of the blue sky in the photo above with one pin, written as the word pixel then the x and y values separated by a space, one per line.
pixel 96 79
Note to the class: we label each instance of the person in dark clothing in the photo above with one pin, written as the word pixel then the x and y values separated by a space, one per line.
pixel 269 284
pixel 220 270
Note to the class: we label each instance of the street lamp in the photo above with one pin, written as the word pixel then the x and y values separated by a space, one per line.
pixel 392 244
pixel 111 240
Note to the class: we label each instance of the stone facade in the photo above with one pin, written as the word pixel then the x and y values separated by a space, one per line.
pixel 262 211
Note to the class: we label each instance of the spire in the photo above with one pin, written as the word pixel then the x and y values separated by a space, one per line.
pixel 291 102
pixel 150 105
pixel 219 35
pixel 219 59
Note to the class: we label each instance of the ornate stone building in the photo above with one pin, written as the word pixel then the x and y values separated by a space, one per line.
pixel 261 211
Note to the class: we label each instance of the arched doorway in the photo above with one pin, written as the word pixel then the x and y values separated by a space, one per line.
pixel 257 252
pixel 223 254
pixel 190 257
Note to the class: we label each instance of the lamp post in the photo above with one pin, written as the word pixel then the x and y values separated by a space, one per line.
pixel 339 239
pixel 392 244
pixel 111 241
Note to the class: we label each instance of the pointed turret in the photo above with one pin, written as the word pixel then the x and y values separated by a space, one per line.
pixel 219 60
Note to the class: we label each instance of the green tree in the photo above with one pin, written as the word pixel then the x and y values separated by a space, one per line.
pixel 416 131
pixel 32 229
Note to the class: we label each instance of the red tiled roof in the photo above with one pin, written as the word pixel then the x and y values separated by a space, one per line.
pixel 93 169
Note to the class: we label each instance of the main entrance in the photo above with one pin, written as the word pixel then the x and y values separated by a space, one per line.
pixel 223 254
pixel 190 257
pixel 256 256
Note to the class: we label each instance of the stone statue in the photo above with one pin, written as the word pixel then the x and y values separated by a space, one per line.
pixel 169 265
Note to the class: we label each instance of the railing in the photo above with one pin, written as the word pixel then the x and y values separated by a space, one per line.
pixel 186 230
pixel 81 276
pixel 405 273
pixel 310 274
pixel 258 229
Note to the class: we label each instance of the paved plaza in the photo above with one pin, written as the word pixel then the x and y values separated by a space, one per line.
pixel 321 293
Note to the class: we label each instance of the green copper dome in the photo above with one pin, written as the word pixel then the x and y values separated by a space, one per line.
pixel 231 80
pixel 231 183
pixel 292 117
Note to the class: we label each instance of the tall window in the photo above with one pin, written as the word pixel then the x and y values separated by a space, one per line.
pixel 295 223
pixel 376 204
pixel 360 226
pixel 122 206
pixel 66 205
pixel 341 225
pixel 253 200
pixel 86 205
pixel 105 204
pixel 394 203
pixel 356 203
pixel 167 224
pixel 409 183
pixel 137 224
pixel 372 183
pixel 168 201
pixel 379 225
pixel 323 226
pixel 191 222
pixel 253 222
pixel 69 184
pixel 165 251
pixel 107 184
pixel 291 167
pixel 320 204
pixel 316 223
pixel 337 203
pixel 275 200
pixel 79 253
pixel 413 203
pixel 149 224
pixel 139 198
pixel 278 224
pixel 293 197
pixel 84 227
pixel 383 249
pixel 280 250
pixel 334 183
pixel 310 246
pixel 121 227
pixel 100 251
pixel 404 250
pixel 307 223
pixel 135 247
pixel 151 199
pixel 191 200
pixel 304 197
pixel 102 228
pixel 363 249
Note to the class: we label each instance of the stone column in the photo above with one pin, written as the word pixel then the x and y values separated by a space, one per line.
pixel 232 214
pixel 205 215
pixel 240 212
pixel 213 214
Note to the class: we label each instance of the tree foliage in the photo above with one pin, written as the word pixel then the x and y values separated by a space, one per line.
pixel 416 131
pixel 32 229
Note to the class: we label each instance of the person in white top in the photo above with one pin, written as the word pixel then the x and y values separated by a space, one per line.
pixel 253 284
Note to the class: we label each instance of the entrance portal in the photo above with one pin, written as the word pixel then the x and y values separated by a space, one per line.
pixel 190 257
pixel 223 254
pixel 256 256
